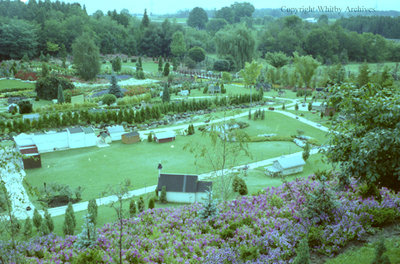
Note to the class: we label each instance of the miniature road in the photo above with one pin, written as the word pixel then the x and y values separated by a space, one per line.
pixel 21 214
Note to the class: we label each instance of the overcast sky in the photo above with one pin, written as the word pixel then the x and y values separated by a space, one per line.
pixel 172 6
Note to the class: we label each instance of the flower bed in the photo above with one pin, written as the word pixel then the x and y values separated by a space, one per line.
pixel 255 229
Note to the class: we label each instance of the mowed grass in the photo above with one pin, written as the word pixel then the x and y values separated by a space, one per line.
pixel 366 253
pixel 276 123
pixel 97 168
pixel 8 84
pixel 257 179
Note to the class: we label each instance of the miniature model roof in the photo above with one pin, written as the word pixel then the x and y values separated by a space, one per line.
pixel 291 162
pixel 115 129
pixel 131 134
pixel 31 116
pixel 182 183
pixel 168 134
pixel 87 130
pixel 74 130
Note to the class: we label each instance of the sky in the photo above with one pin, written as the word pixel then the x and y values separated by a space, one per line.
pixel 172 6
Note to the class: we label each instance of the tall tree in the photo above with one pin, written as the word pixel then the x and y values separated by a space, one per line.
pixel 145 19
pixel 237 42
pixel 197 18
pixel 114 88
pixel 250 74
pixel 178 46
pixel 86 57
pixel 60 95
pixel 363 74
pixel 305 66
pixel 277 59
pixel 116 64
pixel 166 96
pixel 197 54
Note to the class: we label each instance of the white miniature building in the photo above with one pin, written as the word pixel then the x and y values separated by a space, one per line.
pixel 184 92
pixel 115 132
pixel 286 166
pixel 183 188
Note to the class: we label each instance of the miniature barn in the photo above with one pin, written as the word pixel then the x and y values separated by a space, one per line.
pixel 31 157
pixel 72 137
pixel 115 132
pixel 164 137
pixel 130 138
pixel 183 188
pixel 286 166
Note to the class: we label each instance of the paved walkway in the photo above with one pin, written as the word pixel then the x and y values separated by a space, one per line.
pixel 20 214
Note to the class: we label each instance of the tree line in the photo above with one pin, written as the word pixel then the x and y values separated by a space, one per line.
pixel 52 28
pixel 129 116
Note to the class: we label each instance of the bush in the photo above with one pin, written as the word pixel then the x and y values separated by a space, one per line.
pixel 380 249
pixel 25 107
pixel 163 195
pixel 239 186
pixel 132 208
pixel 383 216
pixel 47 87
pixel 109 99
pixel 151 203
pixel 302 253
pixel 89 256
pixel 141 206
pixel 226 77
pixel 221 65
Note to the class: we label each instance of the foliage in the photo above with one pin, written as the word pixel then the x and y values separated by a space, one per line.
pixel 239 186
pixel 48 221
pixel 163 195
pixel 114 88
pixel 178 46
pixel 251 72
pixel 44 229
pixel 363 75
pixel 277 59
pixel 222 65
pixel 365 145
pixel 166 96
pixel 209 210
pixel 68 226
pixel 88 236
pixel 237 42
pixel 37 219
pixel 116 64
pixel 25 107
pixel 166 69
pixel 86 57
pixel 27 228
pixel 145 19
pixel 222 153
pixel 93 211
pixel 151 203
pixel 197 18
pixel 197 54
pixel 306 152
pixel 302 253
pixel 60 95
pixel 190 130
pixel 109 99
pixel 305 66
pixel 226 77
pixel 132 208
pixel 17 38
pixel 141 206
pixel 380 249
pixel 47 87
pixel 90 256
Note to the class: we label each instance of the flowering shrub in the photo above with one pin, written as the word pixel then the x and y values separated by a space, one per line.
pixel 26 75
pixel 265 228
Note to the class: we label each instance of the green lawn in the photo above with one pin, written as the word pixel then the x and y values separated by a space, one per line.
pixel 366 253
pixel 312 117
pixel 281 125
pixel 5 84
pixel 257 180
pixel 96 168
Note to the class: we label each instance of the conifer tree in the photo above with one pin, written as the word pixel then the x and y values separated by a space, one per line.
pixel 37 219
pixel 150 138
pixel 70 210
pixel 160 64
pixel 163 195
pixel 250 114
pixel 132 208
pixel 363 76
pixel 114 88
pixel 48 221
pixel 93 211
pixel 263 115
pixel 60 95
pixel 166 96
pixel 28 228
pixel 141 205
pixel 306 152
pixel 151 203
pixel 166 69
pixel 68 227
pixel 44 229
pixel 145 19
